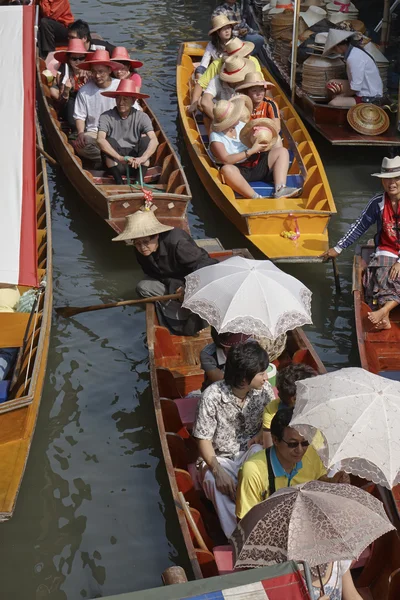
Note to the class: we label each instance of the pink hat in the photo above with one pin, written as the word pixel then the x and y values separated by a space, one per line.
pixel 99 57
pixel 126 87
pixel 120 54
pixel 75 46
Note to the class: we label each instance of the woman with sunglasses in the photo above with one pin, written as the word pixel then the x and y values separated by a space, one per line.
pixel 69 79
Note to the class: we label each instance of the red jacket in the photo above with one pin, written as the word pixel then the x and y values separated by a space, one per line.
pixel 59 10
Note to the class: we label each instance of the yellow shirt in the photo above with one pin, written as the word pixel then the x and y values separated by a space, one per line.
pixel 269 412
pixel 253 478
pixel 215 68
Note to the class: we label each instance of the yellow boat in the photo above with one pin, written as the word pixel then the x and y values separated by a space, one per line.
pixel 264 220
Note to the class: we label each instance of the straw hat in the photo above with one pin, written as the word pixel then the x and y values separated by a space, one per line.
pixel 339 17
pixel 335 36
pixel 307 3
pixel 99 57
pixel 252 80
pixel 227 112
pixel 141 224
pixel 319 42
pixel 220 21
pixel 236 47
pixel 368 119
pixel 235 69
pixel 281 6
pixel 390 168
pixel 75 46
pixel 262 130
pixel 126 87
pixel 120 54
pixel 313 15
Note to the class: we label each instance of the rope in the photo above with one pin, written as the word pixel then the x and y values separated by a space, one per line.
pixel 33 335
pixel 141 184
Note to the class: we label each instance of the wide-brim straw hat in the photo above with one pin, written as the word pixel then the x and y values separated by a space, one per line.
pixel 253 80
pixel 335 36
pixel 313 15
pixel 390 168
pixel 126 87
pixel 99 57
pixel 220 21
pixel 235 69
pixel 142 223
pixel 237 47
pixel 75 46
pixel 227 112
pixel 120 54
pixel 368 119
pixel 249 132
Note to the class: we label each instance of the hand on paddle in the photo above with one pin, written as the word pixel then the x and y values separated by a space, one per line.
pixel 224 483
pixel 331 253
pixel 395 272
pixel 334 87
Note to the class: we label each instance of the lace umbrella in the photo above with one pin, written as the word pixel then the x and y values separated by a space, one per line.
pixel 358 414
pixel 240 295
pixel 314 522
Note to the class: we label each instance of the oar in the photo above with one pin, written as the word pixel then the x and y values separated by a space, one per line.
pixel 70 311
pixel 51 160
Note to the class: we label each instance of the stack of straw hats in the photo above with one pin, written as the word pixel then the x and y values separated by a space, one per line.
pixel 341 8
pixel 280 23
pixel 381 62
pixel 317 71
pixel 283 49
pixel 368 119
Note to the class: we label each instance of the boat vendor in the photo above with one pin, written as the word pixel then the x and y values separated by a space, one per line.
pixel 382 277
pixel 125 135
pixel 364 81
pixel 90 103
pixel 166 255
pixel 229 415
pixel 243 154
pixel 234 11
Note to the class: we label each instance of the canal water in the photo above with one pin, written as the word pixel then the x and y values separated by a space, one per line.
pixel 94 516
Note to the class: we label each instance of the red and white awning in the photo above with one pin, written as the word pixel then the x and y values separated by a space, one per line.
pixel 18 250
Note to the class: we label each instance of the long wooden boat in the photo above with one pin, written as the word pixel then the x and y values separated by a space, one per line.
pixel 166 177
pixel 263 221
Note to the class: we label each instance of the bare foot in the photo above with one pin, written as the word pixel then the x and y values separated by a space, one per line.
pixel 378 315
pixel 384 324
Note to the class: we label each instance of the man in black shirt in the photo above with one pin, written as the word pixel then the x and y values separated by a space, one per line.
pixel 80 29
pixel 166 255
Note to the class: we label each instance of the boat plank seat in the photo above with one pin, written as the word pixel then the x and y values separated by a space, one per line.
pixel 180 382
pixel 178 451
pixel 186 485
pixel 179 414
pixel 13 328
pixel 102 177
pixel 207 563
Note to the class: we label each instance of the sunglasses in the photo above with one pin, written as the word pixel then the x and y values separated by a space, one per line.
pixel 77 58
pixel 293 445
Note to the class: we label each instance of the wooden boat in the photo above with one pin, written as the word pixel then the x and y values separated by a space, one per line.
pixel 263 221
pixel 166 178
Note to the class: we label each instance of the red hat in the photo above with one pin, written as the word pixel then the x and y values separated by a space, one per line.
pixel 232 339
pixel 126 87
pixel 99 57
pixel 120 54
pixel 75 46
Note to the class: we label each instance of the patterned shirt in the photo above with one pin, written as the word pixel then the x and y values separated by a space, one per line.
pixel 220 418
pixel 234 13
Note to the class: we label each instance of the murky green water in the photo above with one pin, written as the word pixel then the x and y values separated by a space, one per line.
pixel 94 516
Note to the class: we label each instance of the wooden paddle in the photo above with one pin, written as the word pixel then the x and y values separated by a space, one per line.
pixel 51 160
pixel 70 311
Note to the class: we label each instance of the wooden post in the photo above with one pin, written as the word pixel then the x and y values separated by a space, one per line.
pixel 295 38
pixel 385 24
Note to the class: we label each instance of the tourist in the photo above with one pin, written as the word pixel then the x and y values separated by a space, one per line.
pixel 213 356
pixel 80 30
pixel 125 135
pixel 220 33
pixel 166 255
pixel 69 79
pixel 382 277
pixel 233 10
pixel 55 16
pixel 290 461
pixel 229 414
pixel 90 103
pixel 363 83
pixel 128 66
pixel 255 87
pixel 244 154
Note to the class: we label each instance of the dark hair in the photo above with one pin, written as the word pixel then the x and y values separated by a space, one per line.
pixel 216 40
pixel 81 28
pixel 243 362
pixel 287 377
pixel 280 421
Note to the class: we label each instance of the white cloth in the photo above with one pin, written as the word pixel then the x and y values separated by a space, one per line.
pixel 363 74
pixel 232 146
pixel 219 90
pixel 90 103
pixel 334 586
pixel 223 505
pixel 210 54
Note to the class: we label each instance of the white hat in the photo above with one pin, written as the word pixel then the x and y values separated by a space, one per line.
pixel 335 36
pixel 281 6
pixel 142 223
pixel 344 6
pixel 313 15
pixel 339 17
pixel 390 168
pixel 376 54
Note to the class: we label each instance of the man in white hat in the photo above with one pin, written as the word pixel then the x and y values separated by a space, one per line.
pixel 166 255
pixel 382 277
pixel 364 81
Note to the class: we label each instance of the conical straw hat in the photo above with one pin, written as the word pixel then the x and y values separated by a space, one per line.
pixel 335 36
pixel 141 224
pixel 368 119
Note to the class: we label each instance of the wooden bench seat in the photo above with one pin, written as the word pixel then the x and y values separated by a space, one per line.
pixel 12 329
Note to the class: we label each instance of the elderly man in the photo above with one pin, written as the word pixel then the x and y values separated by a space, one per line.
pixel 90 103
pixel 126 135
pixel 228 418
pixel 55 16
pixel 166 255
